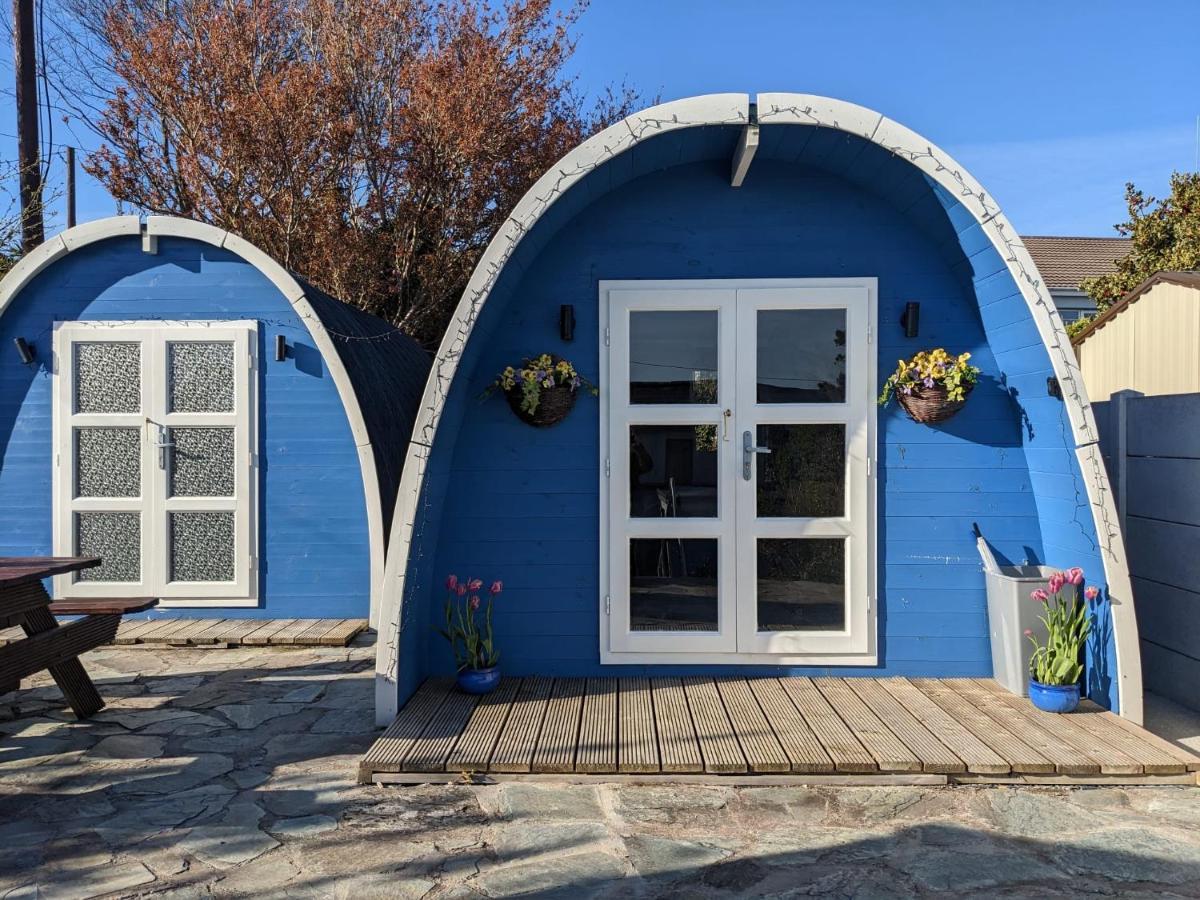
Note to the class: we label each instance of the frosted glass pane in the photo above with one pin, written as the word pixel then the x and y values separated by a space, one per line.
pixel 202 462
pixel 201 376
pixel 108 462
pixel 108 377
pixel 202 546
pixel 116 538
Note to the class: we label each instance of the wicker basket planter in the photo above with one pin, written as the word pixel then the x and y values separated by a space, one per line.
pixel 930 405
pixel 555 403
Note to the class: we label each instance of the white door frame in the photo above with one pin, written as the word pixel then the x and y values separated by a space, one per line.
pixel 855 646
pixel 154 419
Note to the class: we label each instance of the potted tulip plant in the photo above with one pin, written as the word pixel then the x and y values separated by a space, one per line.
pixel 469 632
pixel 1056 666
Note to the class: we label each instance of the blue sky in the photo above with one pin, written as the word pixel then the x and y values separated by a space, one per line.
pixel 1053 106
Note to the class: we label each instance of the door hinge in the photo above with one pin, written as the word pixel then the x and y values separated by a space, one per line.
pixel 870 466
pixel 607 336
pixel 608 604
pixel 870 334
pixel 870 602
pixel 607 467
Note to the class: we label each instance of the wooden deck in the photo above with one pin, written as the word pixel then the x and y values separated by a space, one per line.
pixel 230 632
pixel 804 730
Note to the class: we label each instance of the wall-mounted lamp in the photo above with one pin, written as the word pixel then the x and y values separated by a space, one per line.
pixel 281 348
pixel 566 322
pixel 1053 388
pixel 27 352
pixel 911 319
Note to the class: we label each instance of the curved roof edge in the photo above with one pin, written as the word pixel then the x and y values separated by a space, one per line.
pixel 772 108
pixel 80 236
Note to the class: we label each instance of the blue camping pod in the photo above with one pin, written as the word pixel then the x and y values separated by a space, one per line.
pixel 741 275
pixel 222 434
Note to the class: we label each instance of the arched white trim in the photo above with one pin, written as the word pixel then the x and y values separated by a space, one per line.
pixel 169 226
pixel 773 108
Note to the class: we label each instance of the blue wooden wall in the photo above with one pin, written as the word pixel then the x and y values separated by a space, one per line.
pixel 312 517
pixel 503 500
pixel 521 504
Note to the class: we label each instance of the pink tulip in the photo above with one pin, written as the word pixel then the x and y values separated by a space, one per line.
pixel 1039 595
pixel 1056 582
pixel 474 602
pixel 1028 632
pixel 1075 575
pixel 497 587
pixel 451 582
pixel 475 584
pixel 461 590
pixel 1092 592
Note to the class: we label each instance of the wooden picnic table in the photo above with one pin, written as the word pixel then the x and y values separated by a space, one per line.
pixel 48 645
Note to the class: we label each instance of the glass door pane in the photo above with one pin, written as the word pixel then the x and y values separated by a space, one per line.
pixel 670 568
pixel 804 410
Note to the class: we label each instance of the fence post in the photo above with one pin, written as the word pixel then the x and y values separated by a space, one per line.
pixel 1119 426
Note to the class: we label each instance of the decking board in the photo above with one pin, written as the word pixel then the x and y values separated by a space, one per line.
pixel 560 728
pixel 828 730
pixel 759 744
pixel 637 743
pixel 677 741
pixel 976 755
pixel 1068 760
pixel 934 755
pixel 843 747
pixel 891 753
pixel 718 744
pixel 803 747
pixel 514 749
pixel 474 748
pixel 597 750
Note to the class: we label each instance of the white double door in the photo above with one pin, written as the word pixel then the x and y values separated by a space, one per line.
pixel 737 438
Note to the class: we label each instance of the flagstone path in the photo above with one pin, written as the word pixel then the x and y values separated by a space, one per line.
pixel 230 773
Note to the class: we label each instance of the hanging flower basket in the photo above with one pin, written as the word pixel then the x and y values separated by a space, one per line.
pixel 542 390
pixel 553 405
pixel 930 405
pixel 931 386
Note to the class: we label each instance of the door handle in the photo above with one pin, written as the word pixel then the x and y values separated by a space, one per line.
pixel 162 445
pixel 748 451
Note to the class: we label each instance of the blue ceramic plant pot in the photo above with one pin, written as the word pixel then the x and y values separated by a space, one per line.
pixel 1055 698
pixel 478 681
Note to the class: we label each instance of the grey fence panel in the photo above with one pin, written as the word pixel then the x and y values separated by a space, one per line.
pixel 1151 446
pixel 1168 425
pixel 1165 489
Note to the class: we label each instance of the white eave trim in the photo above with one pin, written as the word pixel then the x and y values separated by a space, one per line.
pixel 154 227
pixel 734 109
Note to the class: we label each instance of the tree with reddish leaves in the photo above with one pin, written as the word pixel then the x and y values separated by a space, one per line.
pixel 374 146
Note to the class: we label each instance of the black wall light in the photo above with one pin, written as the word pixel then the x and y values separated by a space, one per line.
pixel 911 319
pixel 1053 388
pixel 280 348
pixel 27 352
pixel 566 322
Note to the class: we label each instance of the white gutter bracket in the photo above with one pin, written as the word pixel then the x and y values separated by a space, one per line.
pixel 746 148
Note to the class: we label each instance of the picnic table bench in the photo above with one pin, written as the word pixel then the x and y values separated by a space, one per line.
pixel 48 645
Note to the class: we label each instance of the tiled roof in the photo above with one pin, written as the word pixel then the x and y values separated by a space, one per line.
pixel 1066 261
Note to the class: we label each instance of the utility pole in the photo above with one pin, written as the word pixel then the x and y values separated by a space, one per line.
pixel 70 187
pixel 28 155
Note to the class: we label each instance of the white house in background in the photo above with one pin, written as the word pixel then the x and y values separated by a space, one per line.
pixel 1066 261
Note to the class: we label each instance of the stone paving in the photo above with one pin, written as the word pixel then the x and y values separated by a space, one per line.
pixel 228 773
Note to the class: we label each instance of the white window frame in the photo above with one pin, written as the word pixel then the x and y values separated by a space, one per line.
pixel 737 641
pixel 154 421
